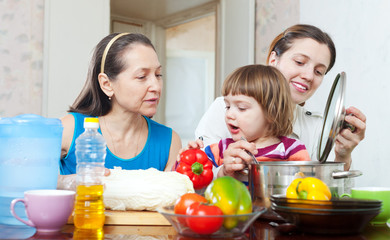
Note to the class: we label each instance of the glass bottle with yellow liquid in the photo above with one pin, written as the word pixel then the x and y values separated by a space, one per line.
pixel 82 234
pixel 90 155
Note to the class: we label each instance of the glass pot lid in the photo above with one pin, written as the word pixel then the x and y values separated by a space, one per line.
pixel 334 115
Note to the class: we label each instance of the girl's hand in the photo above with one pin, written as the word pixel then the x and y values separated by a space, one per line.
pixel 347 140
pixel 191 145
pixel 235 158
pixel 198 143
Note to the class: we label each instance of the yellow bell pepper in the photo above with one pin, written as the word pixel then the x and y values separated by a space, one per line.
pixel 292 188
pixel 308 188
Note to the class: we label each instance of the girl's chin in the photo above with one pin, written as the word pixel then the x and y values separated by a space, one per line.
pixel 236 137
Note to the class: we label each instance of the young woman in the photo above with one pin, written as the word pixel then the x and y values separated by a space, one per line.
pixel 304 54
pixel 123 90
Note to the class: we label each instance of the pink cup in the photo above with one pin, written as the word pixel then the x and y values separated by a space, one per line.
pixel 47 210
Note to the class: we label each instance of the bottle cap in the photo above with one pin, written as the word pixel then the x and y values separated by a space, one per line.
pixel 90 122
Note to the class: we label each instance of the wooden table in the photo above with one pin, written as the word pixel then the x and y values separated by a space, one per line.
pixel 259 230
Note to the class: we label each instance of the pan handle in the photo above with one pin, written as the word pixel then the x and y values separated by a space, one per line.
pixel 346 174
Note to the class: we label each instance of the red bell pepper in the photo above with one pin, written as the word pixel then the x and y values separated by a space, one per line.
pixel 196 165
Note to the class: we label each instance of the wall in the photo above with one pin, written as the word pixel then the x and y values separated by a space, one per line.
pixel 361 33
pixel 236 41
pixel 185 36
pixel 359 29
pixel 44 52
pixel 190 74
pixel 72 29
pixel 272 17
pixel 67 50
pixel 21 57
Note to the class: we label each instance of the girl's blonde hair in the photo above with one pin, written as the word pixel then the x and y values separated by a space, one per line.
pixel 268 86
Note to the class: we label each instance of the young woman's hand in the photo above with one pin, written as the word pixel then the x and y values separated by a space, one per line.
pixel 235 158
pixel 347 140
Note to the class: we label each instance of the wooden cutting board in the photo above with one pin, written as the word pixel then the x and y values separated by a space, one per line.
pixel 132 218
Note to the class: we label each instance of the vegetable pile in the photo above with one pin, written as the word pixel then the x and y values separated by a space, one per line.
pixel 308 188
pixel 224 196
pixel 196 165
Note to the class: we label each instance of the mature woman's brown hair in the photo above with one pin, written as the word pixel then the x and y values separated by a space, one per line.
pixel 92 100
pixel 285 40
pixel 268 86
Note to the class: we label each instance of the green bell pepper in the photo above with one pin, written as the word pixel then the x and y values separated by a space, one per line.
pixel 231 196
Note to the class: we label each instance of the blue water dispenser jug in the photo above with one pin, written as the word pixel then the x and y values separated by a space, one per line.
pixel 30 149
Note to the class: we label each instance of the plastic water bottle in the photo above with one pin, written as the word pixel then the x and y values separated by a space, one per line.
pixel 90 155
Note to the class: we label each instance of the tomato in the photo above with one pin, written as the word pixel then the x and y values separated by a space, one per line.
pixel 186 200
pixel 204 225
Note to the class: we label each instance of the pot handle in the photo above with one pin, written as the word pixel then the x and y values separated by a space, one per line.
pixel 346 174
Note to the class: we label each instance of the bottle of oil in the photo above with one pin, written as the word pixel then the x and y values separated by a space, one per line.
pixel 90 155
pixel 83 234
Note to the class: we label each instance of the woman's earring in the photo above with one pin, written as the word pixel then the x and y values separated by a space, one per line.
pixel 109 98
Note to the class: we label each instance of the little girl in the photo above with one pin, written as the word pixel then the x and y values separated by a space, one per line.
pixel 259 114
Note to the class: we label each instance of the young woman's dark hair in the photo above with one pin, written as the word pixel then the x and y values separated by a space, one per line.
pixel 92 101
pixel 284 41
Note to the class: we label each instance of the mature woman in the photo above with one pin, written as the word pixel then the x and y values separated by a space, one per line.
pixel 304 54
pixel 123 90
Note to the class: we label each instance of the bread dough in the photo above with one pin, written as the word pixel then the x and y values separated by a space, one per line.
pixel 144 189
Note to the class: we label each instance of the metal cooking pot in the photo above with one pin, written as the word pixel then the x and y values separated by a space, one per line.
pixel 277 176
pixel 267 178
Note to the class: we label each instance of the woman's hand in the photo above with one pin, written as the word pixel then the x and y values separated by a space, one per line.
pixel 235 158
pixel 347 140
pixel 68 182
